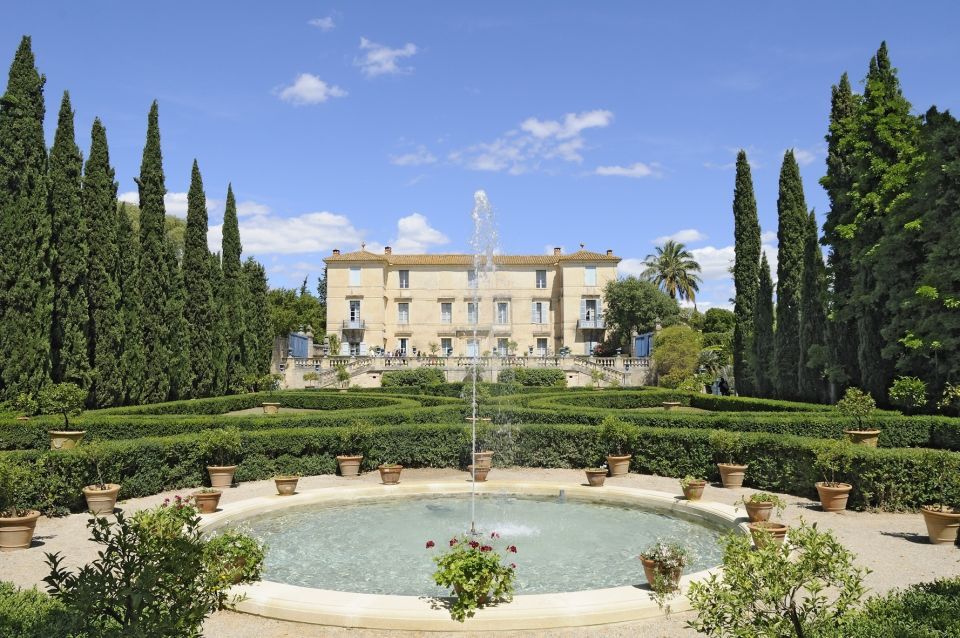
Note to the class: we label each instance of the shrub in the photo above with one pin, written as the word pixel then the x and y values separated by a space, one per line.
pixel 727 445
pixel 65 399
pixel 833 458
pixel 30 613
pixel 534 377
pixel 221 447
pixel 619 437
pixel 356 437
pixel 675 354
pixel 25 404
pixel 233 557
pixel 415 377
pixel 927 610
pixel 909 393
pixel 669 559
pixel 856 404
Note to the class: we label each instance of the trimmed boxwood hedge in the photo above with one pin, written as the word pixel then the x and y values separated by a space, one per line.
pixel 294 399
pixel 651 398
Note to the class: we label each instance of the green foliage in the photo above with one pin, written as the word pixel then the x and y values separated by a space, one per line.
pixel 674 270
pixel 765 497
pixel 534 377
pixel 356 437
pixel 950 401
pixel 618 437
pixel 343 375
pixel 414 377
pixel 11 479
pixel 669 559
pixel 926 610
pixel 258 336
pixel 718 320
pixel 697 382
pixel 475 573
pixel 833 458
pixel 296 311
pixel 762 364
pixel 746 274
pixel 808 586
pixel 198 308
pixel 234 292
pixel 675 353
pixel 813 318
pixel 856 404
pixel 65 399
pixel 727 445
pixel 909 393
pixel 25 404
pixel 30 613
pixel 634 305
pixel 233 558
pixel 221 447
pixel 133 358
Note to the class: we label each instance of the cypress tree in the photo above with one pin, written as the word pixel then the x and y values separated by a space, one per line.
pixel 155 284
pixel 105 341
pixel 813 318
pixel 198 309
pixel 133 361
pixel 746 274
pixel 234 293
pixel 259 336
pixel 69 346
pixel 178 350
pixel 26 290
pixel 763 335
pixel 220 328
pixel 791 235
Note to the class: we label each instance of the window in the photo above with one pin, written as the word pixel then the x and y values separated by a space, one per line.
pixel 472 312
pixel 403 346
pixel 473 348
pixel 590 276
pixel 354 275
pixel 541 279
pixel 542 347
pixel 471 278
pixel 539 314
pixel 403 313
pixel 354 310
pixel 503 347
pixel 446 312
pixel 404 278
pixel 503 312
pixel 446 346
pixel 355 349
pixel 589 310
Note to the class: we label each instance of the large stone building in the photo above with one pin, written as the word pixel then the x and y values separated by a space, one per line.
pixel 530 304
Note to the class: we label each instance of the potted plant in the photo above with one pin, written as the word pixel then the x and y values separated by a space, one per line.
pixel 768 532
pixel 727 445
pixel 354 438
pixel 478 474
pixel 618 438
pixel 692 487
pixel 207 499
pixel 310 379
pixel 858 405
pixel 596 475
pixel 663 565
pixel 16 523
pixel 832 458
pixel 65 399
pixel 221 448
pixel 235 556
pixel 286 484
pixel 942 520
pixel 343 376
pixel 101 496
pixel 390 473
pixel 475 573
pixel 761 505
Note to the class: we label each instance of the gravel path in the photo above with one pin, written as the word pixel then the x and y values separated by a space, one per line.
pixel 893 546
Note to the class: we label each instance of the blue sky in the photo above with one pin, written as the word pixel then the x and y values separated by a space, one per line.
pixel 611 124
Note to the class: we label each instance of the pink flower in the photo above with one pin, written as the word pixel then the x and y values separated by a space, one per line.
pixel 486 548
pixel 494 535
pixel 453 542
pixel 513 565
pixel 430 544
pixel 512 549
pixel 474 544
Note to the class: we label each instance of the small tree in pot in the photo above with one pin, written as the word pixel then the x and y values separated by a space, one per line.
pixel 692 487
pixel 354 439
pixel 101 496
pixel 858 405
pixel 619 438
pixel 833 458
pixel 727 446
pixel 65 399
pixel 942 518
pixel 16 523
pixel 221 448
pixel 663 565
pixel 475 573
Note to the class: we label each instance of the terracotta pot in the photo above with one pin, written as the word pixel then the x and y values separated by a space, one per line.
pixel 619 465
pixel 868 438
pixel 833 498
pixel 731 474
pixel 483 599
pixel 221 476
pixel 101 502
pixel 693 491
pixel 757 512
pixel 650 571
pixel 483 459
pixel 17 532
pixel 349 465
pixel 942 526
pixel 65 439
pixel 480 475
pixel 390 474
pixel 271 408
pixel 286 485
pixel 207 502
pixel 596 477
pixel 777 532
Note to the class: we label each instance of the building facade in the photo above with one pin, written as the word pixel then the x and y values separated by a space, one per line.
pixel 538 305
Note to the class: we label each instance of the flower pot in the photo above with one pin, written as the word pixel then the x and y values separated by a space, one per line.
pixel 596 477
pixel 731 474
pixel 286 485
pixel 349 465
pixel 65 439
pixel 482 599
pixel 942 525
pixel 479 474
pixel 390 474
pixel 777 532
pixel 619 465
pixel 651 570
pixel 101 502
pixel 17 532
pixel 271 408
pixel 868 438
pixel 757 512
pixel 833 498
pixel 693 491
pixel 221 476
pixel 207 502
pixel 483 459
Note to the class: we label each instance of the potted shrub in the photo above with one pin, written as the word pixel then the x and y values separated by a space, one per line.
pixel 768 532
pixel 618 438
pixel 761 505
pixel 390 473
pixel 692 487
pixel 207 499
pixel 475 573
pixel 101 496
pixel 221 448
pixel 236 557
pixel 596 476
pixel 726 445
pixel 286 484
pixel 343 377
pixel 663 565
pixel 832 458
pixel 310 379
pixel 942 520
pixel 67 400
pixel 16 523
pixel 858 404
pixel 354 438
pixel 25 405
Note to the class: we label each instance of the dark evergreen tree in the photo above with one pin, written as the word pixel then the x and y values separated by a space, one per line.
pixel 133 362
pixel 220 328
pixel 178 349
pixel 26 290
pixel 259 334
pixel 70 326
pixel 746 277
pixel 763 334
pixel 198 311
pixel 105 337
pixel 234 293
pixel 813 319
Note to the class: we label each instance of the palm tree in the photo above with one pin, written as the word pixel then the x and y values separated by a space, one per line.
pixel 674 269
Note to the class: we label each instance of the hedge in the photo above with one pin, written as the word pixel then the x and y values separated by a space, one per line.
pixel 414 377
pixel 927 610
pixel 656 397
pixel 534 377
pixel 232 403
pixel 882 478
pixel 30 613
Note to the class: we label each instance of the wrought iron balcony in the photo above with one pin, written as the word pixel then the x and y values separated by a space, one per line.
pixel 591 324
pixel 353 324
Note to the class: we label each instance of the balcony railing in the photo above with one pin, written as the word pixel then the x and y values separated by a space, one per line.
pixel 591 324
pixel 353 324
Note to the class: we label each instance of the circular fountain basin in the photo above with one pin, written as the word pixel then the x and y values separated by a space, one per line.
pixel 356 556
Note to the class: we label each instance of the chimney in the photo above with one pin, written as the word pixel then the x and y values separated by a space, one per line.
pixel 387 250
pixel 556 251
pixel 336 252
pixel 609 253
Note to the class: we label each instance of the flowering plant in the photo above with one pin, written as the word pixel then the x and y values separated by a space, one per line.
pixel 475 573
pixel 668 560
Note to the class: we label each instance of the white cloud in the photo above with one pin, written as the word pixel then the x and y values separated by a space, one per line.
pixel 250 209
pixel 571 126
pixel 307 233
pixel 382 60
pixel 685 236
pixel 324 24
pixel 309 89
pixel 174 203
pixel 417 158
pixel 416 235
pixel 768 237
pixel 637 170
pixel 804 157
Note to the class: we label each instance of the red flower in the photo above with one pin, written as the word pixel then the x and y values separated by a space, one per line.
pixel 494 535
pixel 513 565
pixel 430 544
pixel 453 542
pixel 474 544
pixel 512 549
pixel 486 548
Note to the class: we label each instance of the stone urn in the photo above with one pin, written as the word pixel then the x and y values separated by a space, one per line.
pixel 101 501
pixel 596 476
pixel 868 438
pixel 731 475
pixel 479 474
pixel 207 501
pixel 286 485
pixel 390 473
pixel 65 439
pixel 483 459
pixel 942 524
pixel 349 465
pixel 16 532
pixel 619 465
pixel 221 476
pixel 775 532
pixel 833 496
pixel 271 408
